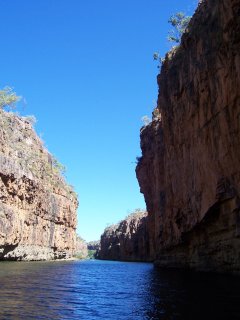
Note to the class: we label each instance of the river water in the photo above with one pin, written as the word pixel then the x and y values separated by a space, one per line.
pixel 113 290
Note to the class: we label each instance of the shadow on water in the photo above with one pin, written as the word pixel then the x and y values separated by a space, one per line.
pixel 114 290
pixel 182 295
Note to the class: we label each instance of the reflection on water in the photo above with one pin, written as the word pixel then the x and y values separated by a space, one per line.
pixel 113 290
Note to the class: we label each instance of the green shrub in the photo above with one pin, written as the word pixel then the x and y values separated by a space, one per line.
pixel 146 120
pixel 136 213
pixel 91 254
pixel 58 167
pixel 31 119
pixel 179 22
pixel 8 98
pixel 80 256
pixel 157 57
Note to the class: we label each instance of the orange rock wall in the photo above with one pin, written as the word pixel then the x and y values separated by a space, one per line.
pixel 37 207
pixel 127 240
pixel 189 172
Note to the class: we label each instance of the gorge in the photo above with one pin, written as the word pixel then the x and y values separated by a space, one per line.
pixel 188 172
pixel 88 73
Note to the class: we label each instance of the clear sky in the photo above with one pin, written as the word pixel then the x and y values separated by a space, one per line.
pixel 87 73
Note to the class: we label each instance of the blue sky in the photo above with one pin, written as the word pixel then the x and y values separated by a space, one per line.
pixel 87 73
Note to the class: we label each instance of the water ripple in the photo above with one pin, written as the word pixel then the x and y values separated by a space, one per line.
pixel 93 290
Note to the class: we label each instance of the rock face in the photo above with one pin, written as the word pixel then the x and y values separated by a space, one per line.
pixel 93 245
pixel 37 207
pixel 81 248
pixel 127 240
pixel 93 249
pixel 189 172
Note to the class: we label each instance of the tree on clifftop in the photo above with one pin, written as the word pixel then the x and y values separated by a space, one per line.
pixel 8 98
pixel 179 22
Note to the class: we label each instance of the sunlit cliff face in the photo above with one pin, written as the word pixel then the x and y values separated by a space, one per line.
pixel 37 208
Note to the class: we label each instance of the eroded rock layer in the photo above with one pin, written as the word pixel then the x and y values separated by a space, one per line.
pixel 37 207
pixel 189 172
pixel 127 240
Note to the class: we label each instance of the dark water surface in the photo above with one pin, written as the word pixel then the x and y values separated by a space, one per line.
pixel 113 290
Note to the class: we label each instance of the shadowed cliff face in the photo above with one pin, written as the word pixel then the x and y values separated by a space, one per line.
pixel 189 172
pixel 127 240
pixel 37 207
pixel 93 245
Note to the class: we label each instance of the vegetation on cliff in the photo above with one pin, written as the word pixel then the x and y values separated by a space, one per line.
pixel 8 98
pixel 179 23
pixel 40 162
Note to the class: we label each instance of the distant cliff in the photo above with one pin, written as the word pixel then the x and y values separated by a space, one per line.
pixel 37 207
pixel 81 248
pixel 189 172
pixel 93 245
pixel 127 240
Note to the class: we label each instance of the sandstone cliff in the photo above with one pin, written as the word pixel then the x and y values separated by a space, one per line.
pixel 189 172
pixel 81 248
pixel 127 240
pixel 93 245
pixel 37 207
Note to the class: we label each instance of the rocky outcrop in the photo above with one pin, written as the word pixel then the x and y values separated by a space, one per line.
pixel 189 172
pixel 37 207
pixel 127 240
